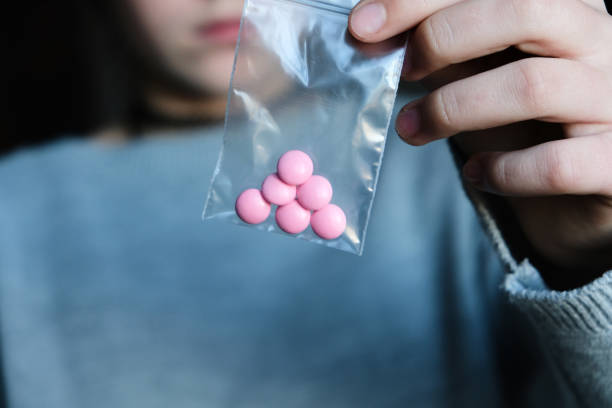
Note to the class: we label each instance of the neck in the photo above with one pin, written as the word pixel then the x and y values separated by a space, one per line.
pixel 178 107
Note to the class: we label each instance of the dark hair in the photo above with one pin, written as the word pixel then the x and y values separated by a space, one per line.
pixel 73 72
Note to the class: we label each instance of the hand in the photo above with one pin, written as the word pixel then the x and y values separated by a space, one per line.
pixel 528 86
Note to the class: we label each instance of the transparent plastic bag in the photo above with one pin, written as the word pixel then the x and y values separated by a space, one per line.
pixel 302 82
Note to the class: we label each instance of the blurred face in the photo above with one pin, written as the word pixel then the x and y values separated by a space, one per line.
pixel 194 40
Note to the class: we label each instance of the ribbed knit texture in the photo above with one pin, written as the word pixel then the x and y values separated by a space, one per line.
pixel 587 309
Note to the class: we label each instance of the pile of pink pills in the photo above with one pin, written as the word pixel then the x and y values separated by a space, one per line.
pixel 296 192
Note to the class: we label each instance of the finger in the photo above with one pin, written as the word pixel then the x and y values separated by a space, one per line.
pixel 570 166
pixel 377 20
pixel 475 28
pixel 466 69
pixel 548 89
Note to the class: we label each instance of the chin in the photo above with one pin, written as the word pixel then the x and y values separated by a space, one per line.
pixel 215 71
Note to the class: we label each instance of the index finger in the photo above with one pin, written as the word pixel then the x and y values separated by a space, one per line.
pixel 377 20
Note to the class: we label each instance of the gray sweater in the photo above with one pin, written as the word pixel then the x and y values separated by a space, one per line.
pixel 114 294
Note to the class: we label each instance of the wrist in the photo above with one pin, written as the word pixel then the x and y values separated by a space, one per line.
pixel 561 277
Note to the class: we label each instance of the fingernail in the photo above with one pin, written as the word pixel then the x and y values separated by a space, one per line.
pixel 368 19
pixel 472 172
pixel 407 123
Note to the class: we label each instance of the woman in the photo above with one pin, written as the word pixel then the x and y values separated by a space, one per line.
pixel 114 295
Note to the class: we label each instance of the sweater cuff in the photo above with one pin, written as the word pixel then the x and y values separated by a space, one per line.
pixel 586 309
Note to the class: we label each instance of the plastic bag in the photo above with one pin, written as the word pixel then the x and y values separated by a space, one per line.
pixel 302 82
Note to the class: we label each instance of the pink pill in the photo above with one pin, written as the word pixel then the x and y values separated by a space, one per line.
pixel 251 207
pixel 275 191
pixel 329 222
pixel 292 218
pixel 315 194
pixel 294 167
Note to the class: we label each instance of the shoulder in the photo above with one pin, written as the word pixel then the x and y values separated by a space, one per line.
pixel 27 156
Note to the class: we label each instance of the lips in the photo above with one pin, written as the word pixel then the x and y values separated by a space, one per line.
pixel 220 31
